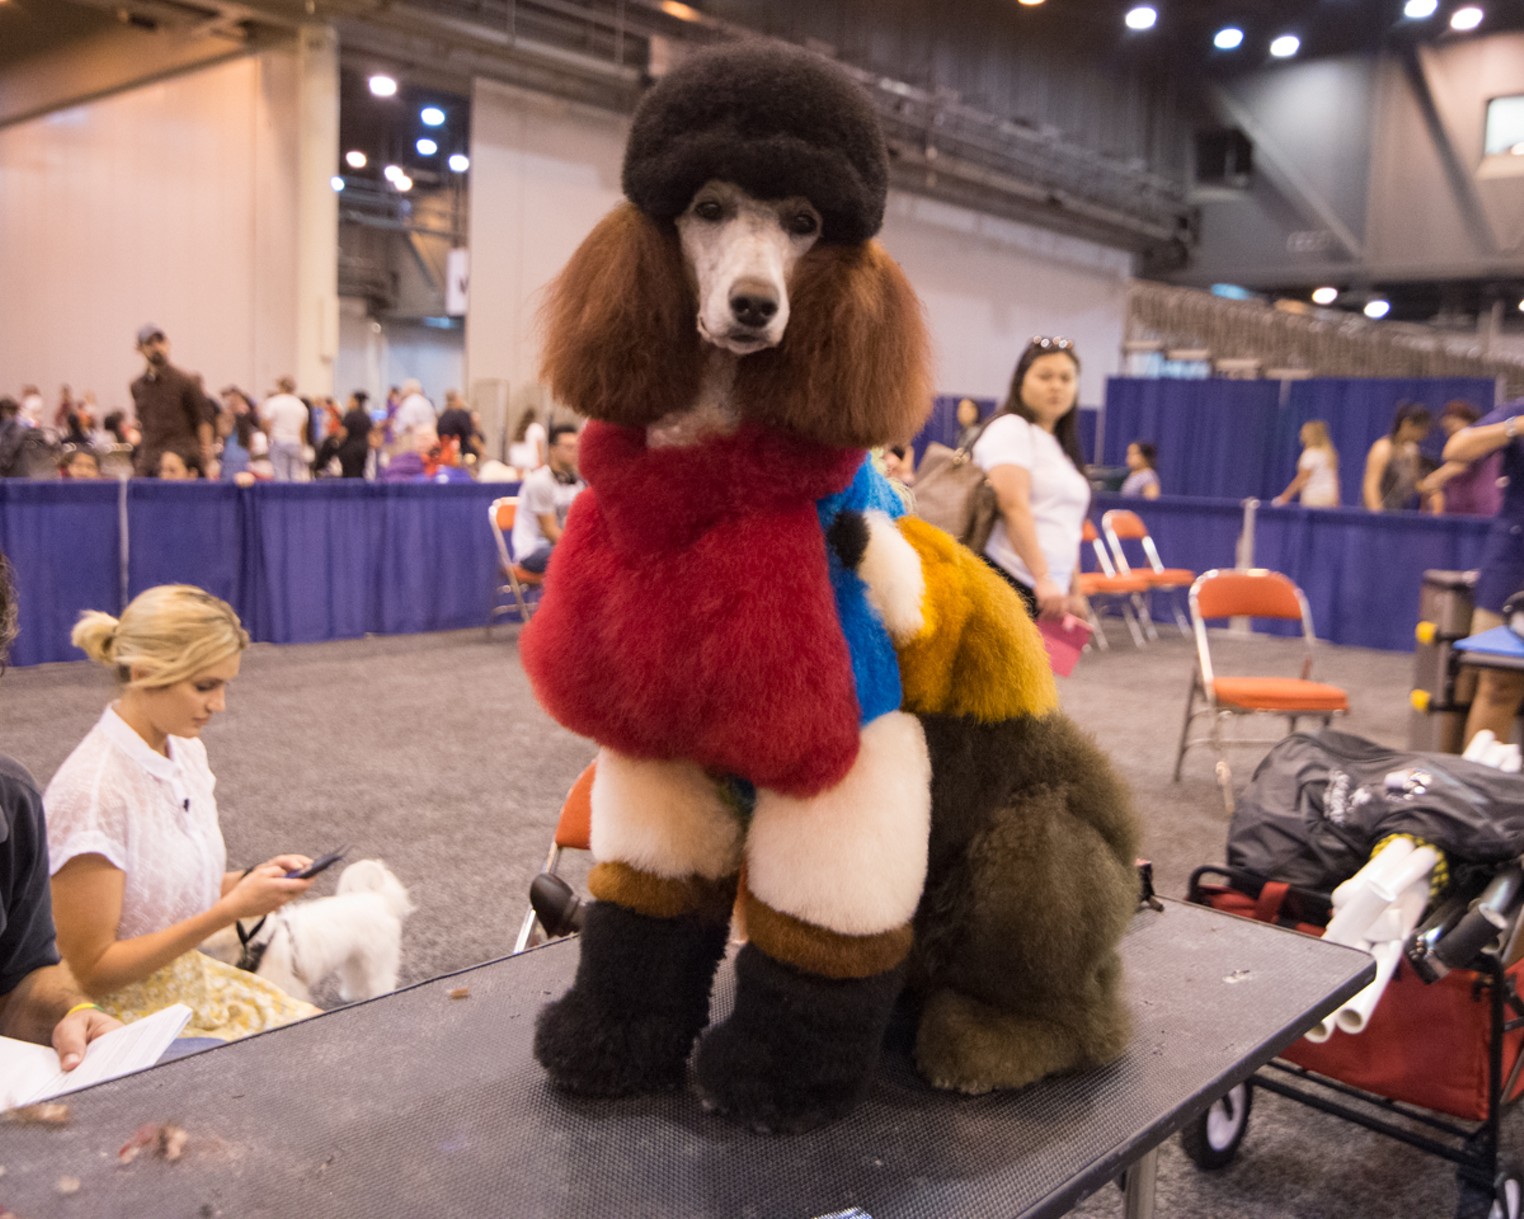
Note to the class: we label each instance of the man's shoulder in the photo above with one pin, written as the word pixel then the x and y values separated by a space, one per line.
pixel 18 789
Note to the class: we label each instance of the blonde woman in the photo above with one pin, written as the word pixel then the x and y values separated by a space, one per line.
pixel 1317 470
pixel 139 867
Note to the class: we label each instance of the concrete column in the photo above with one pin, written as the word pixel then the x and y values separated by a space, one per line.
pixel 317 210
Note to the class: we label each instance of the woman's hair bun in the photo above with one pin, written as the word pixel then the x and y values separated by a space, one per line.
pixel 94 634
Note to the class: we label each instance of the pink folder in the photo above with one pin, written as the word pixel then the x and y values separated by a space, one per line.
pixel 1065 639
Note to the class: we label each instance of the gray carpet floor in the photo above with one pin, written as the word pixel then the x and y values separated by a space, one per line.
pixel 429 752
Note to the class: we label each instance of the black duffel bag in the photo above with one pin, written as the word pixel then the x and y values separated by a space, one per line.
pixel 1320 801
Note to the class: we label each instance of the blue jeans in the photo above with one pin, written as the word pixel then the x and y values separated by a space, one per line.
pixel 536 559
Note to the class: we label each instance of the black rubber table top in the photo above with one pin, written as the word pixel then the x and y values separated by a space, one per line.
pixel 420 1106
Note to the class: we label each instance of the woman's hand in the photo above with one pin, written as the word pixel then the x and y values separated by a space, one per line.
pixel 1052 600
pixel 1079 607
pixel 264 889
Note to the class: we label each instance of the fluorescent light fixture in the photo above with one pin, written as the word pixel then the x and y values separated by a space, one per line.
pixel 426 147
pixel 1229 38
pixel 1285 46
pixel 355 159
pixel 1029 3
pixel 432 116
pixel 402 182
pixel 1324 296
pixel 1232 292
pixel 459 162
pixel 1417 10
pixel 681 11
pixel 383 86
pixel 1377 308
pixel 336 182
pixel 1141 18
pixel 1467 18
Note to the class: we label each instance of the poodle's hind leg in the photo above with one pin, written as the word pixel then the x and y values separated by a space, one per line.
pixel 965 1045
pixel 372 968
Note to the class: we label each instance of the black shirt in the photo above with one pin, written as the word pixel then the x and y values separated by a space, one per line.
pixel 170 408
pixel 26 907
pixel 457 422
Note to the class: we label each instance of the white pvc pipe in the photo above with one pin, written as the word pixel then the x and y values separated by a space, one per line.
pixel 1355 1015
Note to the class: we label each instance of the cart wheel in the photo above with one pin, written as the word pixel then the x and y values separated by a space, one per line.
pixel 1505 1200
pixel 1212 1140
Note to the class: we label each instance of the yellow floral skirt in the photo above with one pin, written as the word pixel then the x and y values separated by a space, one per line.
pixel 226 1002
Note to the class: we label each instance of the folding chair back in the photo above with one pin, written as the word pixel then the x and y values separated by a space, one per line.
pixel 1122 525
pixel 573 833
pixel 1255 593
pixel 501 514
pixel 1107 586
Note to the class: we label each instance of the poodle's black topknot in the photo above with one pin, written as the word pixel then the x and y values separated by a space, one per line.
pixel 774 120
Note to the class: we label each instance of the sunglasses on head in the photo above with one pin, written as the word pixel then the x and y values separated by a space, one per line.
pixel 1043 343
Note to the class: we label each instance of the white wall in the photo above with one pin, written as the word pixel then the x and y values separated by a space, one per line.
pixel 543 172
pixel 177 203
pixel 375 355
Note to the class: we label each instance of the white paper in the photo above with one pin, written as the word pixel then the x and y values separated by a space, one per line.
pixel 30 1073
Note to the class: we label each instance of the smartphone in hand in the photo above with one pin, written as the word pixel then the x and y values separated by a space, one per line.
pixel 318 865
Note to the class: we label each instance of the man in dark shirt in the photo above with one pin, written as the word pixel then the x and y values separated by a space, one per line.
pixel 170 406
pixel 455 420
pixel 39 999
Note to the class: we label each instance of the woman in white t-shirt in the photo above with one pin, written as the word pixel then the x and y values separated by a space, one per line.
pixel 527 451
pixel 1317 470
pixel 139 867
pixel 1030 451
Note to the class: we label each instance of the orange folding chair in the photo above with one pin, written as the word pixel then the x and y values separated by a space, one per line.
pixel 1253 593
pixel 501 514
pixel 573 833
pixel 1120 526
pixel 1107 586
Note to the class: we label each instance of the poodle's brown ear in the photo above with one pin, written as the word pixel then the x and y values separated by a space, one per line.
pixel 853 367
pixel 621 335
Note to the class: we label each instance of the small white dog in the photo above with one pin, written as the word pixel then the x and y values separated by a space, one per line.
pixel 356 933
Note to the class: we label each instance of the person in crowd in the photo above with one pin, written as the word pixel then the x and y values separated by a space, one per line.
pixel 175 467
pixel 1317 470
pixel 236 426
pixel 455 423
pixel 80 465
pixel 1501 574
pixel 426 461
pixel 169 405
pixel 116 431
pixel 12 433
pixel 32 406
pixel 1465 488
pixel 355 445
pixel 40 1001
pixel 140 875
pixel 969 419
pixel 1142 480
pixel 1394 466
pixel 1030 451
pixel 545 499
pixel 284 417
pixel 526 452
pixel 414 413
pixel 899 464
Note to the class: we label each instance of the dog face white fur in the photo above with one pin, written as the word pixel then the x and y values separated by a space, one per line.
pixel 741 251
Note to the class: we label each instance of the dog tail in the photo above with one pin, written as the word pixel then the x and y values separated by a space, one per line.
pixel 373 876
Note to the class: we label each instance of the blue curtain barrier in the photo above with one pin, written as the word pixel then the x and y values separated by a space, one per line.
pixel 942 425
pixel 299 562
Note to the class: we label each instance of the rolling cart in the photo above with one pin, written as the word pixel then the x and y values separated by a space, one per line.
pixel 1442 1058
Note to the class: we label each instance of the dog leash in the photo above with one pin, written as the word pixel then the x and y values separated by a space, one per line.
pixel 253 953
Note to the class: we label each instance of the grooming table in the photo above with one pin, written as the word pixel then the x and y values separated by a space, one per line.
pixel 418 1104
pixel 1497 648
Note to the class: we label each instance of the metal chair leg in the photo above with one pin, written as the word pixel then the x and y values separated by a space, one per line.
pixel 1185 728
pixel 1181 620
pixel 1097 632
pixel 1145 608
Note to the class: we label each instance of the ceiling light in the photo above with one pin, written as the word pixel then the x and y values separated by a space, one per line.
pixel 426 147
pixel 355 159
pixel 1377 308
pixel 392 172
pixel 1521 306
pixel 683 12
pixel 1141 18
pixel 1285 46
pixel 383 86
pixel 1324 296
pixel 1417 10
pixel 432 116
pixel 1229 38
pixel 460 162
pixel 1467 18
pixel 402 182
pixel 1029 3
pixel 336 182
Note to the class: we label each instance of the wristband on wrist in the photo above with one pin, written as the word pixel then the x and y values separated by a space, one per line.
pixel 82 1007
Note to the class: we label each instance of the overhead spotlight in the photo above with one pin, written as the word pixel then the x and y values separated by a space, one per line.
pixel 432 116
pixel 392 172
pixel 459 162
pixel 1418 10
pixel 426 147
pixel 402 182
pixel 1377 308
pixel 356 159
pixel 1029 3
pixel 383 86
pixel 1229 38
pixel 1521 306
pixel 1324 296
pixel 1285 46
pixel 1467 18
pixel 336 182
pixel 1141 18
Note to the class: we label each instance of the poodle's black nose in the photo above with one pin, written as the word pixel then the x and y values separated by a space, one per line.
pixel 753 309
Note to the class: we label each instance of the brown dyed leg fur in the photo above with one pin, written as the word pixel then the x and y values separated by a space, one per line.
pixel 1032 884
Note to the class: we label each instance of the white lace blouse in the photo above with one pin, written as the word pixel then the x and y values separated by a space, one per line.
pixel 153 817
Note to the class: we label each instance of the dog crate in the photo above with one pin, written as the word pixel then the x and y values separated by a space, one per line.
pixel 1442 1058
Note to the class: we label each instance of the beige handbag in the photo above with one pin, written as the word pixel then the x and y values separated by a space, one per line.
pixel 952 493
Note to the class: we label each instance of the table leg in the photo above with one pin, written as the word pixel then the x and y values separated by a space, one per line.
pixel 1141 1175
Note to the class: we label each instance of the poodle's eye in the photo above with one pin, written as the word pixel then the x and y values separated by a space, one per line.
pixel 803 224
pixel 708 209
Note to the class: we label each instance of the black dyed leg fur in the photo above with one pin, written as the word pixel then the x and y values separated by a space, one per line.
pixel 800 1050
pixel 640 997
